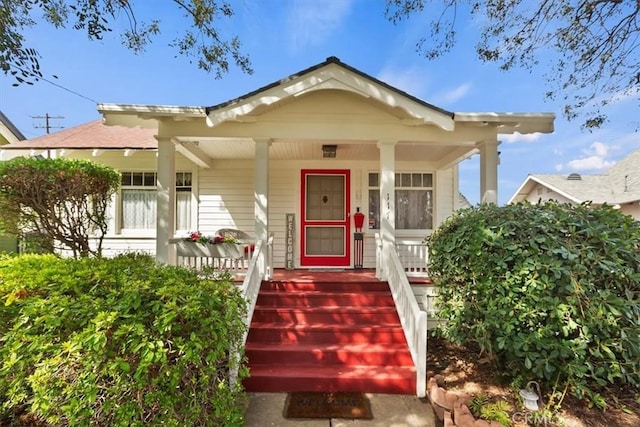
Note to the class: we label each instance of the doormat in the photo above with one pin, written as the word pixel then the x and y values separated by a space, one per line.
pixel 325 270
pixel 327 405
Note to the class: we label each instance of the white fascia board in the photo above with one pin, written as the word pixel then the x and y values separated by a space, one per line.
pixel 330 77
pixel 508 123
pixel 146 115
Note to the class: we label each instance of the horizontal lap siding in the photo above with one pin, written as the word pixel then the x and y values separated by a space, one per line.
pixel 445 195
pixel 226 194
pixel 284 198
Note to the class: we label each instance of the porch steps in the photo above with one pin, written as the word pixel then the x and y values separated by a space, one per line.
pixel 327 336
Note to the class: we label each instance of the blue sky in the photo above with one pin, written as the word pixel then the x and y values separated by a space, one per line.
pixel 285 36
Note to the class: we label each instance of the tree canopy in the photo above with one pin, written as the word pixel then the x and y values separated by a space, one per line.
pixel 593 45
pixel 201 40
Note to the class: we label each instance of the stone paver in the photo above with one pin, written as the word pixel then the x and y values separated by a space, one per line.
pixel 389 410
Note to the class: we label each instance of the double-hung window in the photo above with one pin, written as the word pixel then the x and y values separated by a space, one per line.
pixel 138 207
pixel 413 200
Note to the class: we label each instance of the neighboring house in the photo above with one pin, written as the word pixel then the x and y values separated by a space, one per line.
pixel 318 144
pixel 9 133
pixel 619 187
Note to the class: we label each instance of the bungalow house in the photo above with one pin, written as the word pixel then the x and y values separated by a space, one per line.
pixel 618 187
pixel 293 164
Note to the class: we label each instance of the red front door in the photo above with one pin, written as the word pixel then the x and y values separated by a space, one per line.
pixel 325 223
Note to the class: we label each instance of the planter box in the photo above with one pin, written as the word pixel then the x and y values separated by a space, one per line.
pixel 220 250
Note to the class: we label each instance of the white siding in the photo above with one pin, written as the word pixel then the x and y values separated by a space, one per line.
pixel 225 197
pixel 543 193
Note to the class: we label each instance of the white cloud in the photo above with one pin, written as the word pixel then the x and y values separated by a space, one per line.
pixel 453 95
pixel 516 137
pixel 310 23
pixel 598 149
pixel 590 163
pixel 412 80
pixel 593 158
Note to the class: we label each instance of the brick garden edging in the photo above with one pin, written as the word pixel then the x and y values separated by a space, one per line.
pixel 451 407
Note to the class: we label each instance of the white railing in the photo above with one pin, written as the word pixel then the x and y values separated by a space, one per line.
pixel 413 320
pixel 236 262
pixel 260 267
pixel 414 257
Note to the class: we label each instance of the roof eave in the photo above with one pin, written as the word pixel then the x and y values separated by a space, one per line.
pixel 145 115
pixel 508 123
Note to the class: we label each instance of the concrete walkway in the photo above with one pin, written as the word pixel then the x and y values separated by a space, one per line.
pixel 389 410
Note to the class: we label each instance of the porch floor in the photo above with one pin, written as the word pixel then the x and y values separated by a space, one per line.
pixel 326 275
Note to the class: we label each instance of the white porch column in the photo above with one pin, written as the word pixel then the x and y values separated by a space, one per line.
pixel 387 200
pixel 261 185
pixel 165 223
pixel 488 171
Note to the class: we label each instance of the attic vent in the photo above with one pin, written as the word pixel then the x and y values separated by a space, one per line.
pixel 574 177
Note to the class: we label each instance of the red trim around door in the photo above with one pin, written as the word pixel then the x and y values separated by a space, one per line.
pixel 344 259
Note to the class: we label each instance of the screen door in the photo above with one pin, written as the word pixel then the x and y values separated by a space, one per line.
pixel 325 218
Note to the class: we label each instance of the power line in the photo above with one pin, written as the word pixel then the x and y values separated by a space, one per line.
pixel 68 90
pixel 47 123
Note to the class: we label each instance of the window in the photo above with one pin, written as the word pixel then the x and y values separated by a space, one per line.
pixel 139 200
pixel 414 201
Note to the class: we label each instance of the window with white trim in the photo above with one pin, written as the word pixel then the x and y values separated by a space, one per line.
pixel 138 206
pixel 414 201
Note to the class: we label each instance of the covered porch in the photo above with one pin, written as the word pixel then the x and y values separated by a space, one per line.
pixel 261 165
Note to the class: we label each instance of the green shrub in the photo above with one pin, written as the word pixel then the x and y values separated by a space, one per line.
pixel 550 291
pixel 117 342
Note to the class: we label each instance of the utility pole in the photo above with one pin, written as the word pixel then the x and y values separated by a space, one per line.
pixel 47 123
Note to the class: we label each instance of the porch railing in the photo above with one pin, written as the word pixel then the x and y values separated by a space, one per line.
pixel 414 257
pixel 413 320
pixel 260 267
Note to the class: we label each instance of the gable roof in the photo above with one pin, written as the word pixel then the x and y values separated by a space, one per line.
pixel 310 70
pixel 8 131
pixel 92 135
pixel 331 74
pixel 619 185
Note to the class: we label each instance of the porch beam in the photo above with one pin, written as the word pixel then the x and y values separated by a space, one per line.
pixel 488 171
pixel 454 157
pixel 165 223
pixel 332 128
pixel 261 186
pixel 192 152
pixel 387 200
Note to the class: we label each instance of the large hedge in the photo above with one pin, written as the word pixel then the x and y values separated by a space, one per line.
pixel 57 203
pixel 550 291
pixel 117 342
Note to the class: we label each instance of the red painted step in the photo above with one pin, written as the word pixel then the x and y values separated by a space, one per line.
pixel 329 354
pixel 327 336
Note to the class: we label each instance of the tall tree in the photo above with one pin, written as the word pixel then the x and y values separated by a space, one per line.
pixel 593 44
pixel 201 40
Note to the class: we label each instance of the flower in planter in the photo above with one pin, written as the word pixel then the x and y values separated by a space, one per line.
pixel 198 237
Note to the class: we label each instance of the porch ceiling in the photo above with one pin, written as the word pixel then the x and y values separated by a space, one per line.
pixel 224 148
